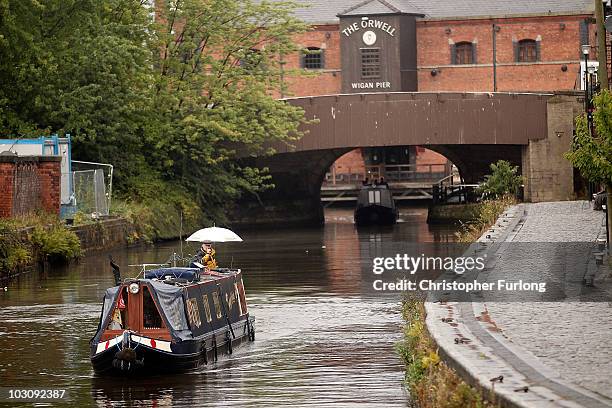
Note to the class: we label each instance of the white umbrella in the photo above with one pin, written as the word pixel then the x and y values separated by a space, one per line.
pixel 214 234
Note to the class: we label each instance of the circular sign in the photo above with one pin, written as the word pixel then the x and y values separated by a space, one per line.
pixel 369 38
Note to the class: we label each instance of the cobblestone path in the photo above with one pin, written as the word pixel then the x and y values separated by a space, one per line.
pixel 572 336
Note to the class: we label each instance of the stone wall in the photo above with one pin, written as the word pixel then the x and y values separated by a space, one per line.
pixel 548 175
pixel 104 235
pixel 29 183
pixel 453 213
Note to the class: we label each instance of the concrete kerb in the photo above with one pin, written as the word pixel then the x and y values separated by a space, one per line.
pixel 485 354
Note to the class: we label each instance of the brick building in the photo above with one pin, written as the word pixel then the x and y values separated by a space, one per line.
pixel 419 45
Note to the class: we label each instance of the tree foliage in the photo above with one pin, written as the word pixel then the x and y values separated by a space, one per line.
pixel 170 101
pixel 592 154
pixel 503 180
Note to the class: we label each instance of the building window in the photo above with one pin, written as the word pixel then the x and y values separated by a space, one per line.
pixel 313 58
pixel 527 51
pixel 463 53
pixel 370 63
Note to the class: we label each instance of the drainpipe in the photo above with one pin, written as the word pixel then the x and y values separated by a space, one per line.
pixel 495 30
pixel 282 75
pixel 602 71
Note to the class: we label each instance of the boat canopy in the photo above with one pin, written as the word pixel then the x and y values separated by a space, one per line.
pixel 169 299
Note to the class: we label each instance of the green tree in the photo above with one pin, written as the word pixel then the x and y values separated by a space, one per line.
pixel 503 180
pixel 170 101
pixel 217 78
pixel 78 67
pixel 592 154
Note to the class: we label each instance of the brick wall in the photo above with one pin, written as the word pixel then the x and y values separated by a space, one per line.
pixel 318 82
pixel 559 46
pixel 425 157
pixel 6 189
pixel 557 69
pixel 29 183
pixel 350 163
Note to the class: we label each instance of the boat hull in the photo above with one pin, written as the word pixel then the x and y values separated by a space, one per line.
pixel 375 215
pixel 138 356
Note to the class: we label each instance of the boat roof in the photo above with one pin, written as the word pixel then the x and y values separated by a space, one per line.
pixel 182 275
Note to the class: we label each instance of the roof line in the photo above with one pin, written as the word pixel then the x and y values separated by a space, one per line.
pixel 508 16
pixel 389 5
pixel 416 7
pixel 356 6
pixel 427 18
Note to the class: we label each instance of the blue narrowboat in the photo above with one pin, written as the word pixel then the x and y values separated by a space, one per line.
pixel 174 319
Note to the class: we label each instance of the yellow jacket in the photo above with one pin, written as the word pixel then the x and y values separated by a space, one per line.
pixel 209 260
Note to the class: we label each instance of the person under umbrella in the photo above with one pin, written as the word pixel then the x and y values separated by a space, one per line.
pixel 207 254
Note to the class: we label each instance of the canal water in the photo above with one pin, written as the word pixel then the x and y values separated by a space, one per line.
pixel 319 340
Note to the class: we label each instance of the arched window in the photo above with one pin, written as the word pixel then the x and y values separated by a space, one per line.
pixel 527 51
pixel 313 58
pixel 463 53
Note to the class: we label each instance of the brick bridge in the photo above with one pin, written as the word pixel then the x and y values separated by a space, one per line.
pixel 470 129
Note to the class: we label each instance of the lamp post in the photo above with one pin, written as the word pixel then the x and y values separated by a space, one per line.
pixel 592 82
pixel 585 51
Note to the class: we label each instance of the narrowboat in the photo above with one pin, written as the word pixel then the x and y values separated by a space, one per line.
pixel 375 205
pixel 174 319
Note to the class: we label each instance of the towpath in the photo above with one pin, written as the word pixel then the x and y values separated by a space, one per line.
pixel 560 350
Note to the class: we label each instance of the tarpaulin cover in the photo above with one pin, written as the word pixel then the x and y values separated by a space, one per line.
pixel 191 274
pixel 170 299
pixel 110 299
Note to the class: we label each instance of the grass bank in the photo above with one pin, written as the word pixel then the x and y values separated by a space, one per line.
pixel 487 212
pixel 35 238
pixel 431 383
pixel 43 237
pixel 158 221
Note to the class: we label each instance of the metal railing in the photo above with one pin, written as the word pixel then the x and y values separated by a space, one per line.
pixel 391 173
pixel 452 189
pixel 92 187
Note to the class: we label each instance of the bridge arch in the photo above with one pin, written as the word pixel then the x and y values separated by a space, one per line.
pixel 472 130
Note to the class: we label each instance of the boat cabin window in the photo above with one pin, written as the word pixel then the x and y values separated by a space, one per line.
pixel 119 318
pixel 193 312
pixel 206 308
pixel 217 304
pixel 150 315
pixel 374 196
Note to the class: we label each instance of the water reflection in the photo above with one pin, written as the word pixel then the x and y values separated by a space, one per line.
pixel 319 341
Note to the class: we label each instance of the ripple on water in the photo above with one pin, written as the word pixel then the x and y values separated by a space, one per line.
pixel 318 341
